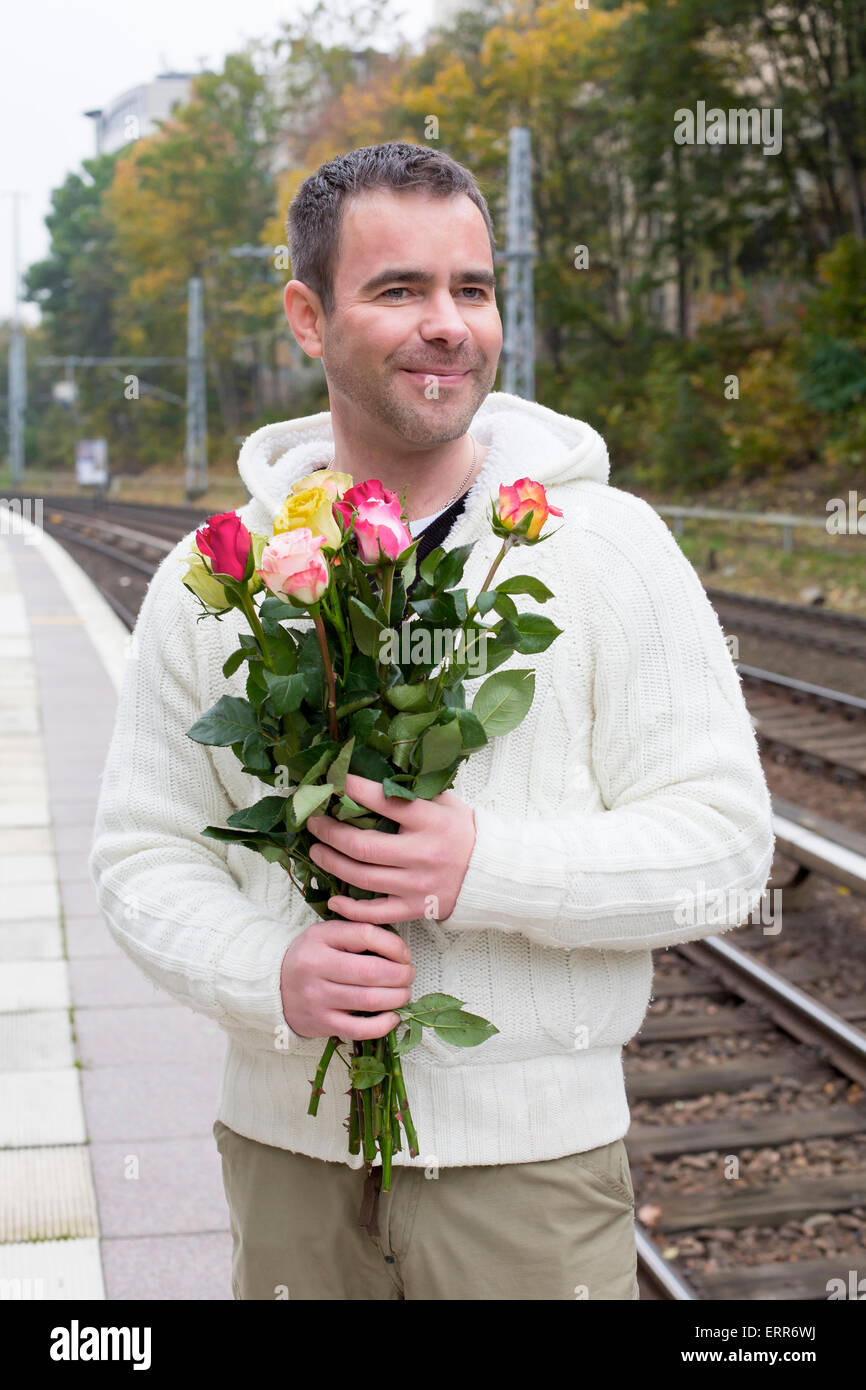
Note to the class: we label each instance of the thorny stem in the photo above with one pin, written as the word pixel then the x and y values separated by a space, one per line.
pixel 255 623
pixel 329 677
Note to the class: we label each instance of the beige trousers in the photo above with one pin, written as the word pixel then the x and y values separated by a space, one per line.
pixel 558 1229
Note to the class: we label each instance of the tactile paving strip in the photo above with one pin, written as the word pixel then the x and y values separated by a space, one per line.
pixel 47 1194
pixel 52 1269
pixel 30 1041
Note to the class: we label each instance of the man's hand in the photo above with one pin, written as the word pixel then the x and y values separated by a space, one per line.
pixel 325 974
pixel 420 869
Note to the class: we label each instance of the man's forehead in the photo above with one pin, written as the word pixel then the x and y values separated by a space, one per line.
pixel 375 223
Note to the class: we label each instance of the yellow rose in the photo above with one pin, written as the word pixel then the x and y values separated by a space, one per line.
pixel 335 484
pixel 312 508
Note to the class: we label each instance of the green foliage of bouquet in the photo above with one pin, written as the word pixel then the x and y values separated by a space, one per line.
pixel 372 683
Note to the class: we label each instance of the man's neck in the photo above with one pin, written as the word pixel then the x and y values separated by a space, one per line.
pixel 432 478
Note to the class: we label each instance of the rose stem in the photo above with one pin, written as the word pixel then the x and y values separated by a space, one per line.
pixel 369 1140
pixel 386 1138
pixel 328 1053
pixel 255 623
pixel 406 1116
pixel 329 676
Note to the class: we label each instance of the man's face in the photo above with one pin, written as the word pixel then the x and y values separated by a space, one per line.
pixel 417 355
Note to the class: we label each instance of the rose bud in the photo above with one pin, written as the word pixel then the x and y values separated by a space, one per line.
pixel 293 569
pixel 517 501
pixel 225 542
pixel 311 508
pixel 378 521
pixel 199 580
pixel 334 483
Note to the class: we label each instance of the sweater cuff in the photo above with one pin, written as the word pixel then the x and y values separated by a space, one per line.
pixel 247 983
pixel 516 874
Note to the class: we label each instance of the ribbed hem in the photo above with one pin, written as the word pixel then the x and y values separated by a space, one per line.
pixel 523 1112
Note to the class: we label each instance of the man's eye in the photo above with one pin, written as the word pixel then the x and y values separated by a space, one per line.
pixel 397 289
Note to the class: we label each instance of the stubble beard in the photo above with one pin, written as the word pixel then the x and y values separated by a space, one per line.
pixel 378 395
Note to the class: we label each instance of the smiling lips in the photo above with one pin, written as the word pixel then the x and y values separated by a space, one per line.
pixel 424 373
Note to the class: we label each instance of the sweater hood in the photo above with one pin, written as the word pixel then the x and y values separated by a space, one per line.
pixel 525 439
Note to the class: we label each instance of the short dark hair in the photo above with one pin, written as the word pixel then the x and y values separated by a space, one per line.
pixel 315 213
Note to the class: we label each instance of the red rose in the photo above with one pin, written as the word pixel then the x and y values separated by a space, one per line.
pixel 226 542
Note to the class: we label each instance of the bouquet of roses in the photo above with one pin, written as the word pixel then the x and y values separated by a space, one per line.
pixel 356 661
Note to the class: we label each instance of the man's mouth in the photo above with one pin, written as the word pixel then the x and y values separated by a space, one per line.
pixel 424 374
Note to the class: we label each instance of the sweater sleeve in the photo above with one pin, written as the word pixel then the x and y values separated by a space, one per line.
pixel 684 844
pixel 167 893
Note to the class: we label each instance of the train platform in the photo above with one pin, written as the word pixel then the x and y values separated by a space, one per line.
pixel 110 1180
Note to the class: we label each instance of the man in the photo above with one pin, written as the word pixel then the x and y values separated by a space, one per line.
pixel 561 860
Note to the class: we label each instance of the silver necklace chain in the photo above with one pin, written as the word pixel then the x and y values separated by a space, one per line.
pixel 462 486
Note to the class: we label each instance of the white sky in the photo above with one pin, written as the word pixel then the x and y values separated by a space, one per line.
pixel 63 57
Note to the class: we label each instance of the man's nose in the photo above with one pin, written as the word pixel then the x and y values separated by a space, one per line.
pixel 442 318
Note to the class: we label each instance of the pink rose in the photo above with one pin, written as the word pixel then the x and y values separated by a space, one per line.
pixel 377 520
pixel 292 567
pixel 522 497
pixel 226 542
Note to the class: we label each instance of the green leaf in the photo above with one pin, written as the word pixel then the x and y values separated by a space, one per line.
pixel 403 731
pixel 365 1072
pixel 273 612
pixel 409 564
pixel 451 566
pixel 284 652
pixel 310 666
pixel 231 663
pixel 257 691
pixel 408 697
pixel 254 753
pixel 366 627
pixel 366 762
pixel 392 788
pixel 485 601
pixel 430 1004
pixel 428 566
pixel 308 799
pixel 471 730
pixel 262 816
pixel 525 584
pixel 536 632
pixel 322 763
pixel 462 1029
pixel 440 746
pixel 228 721
pixel 410 1038
pixel 286 692
pixel 505 607
pixel 430 784
pixel 340 766
pixel 503 701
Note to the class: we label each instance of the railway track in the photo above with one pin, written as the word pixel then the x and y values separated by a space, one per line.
pixel 786 1081
pixel 824 730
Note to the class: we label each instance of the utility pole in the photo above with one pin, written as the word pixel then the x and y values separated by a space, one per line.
pixel 519 335
pixel 196 393
pixel 17 363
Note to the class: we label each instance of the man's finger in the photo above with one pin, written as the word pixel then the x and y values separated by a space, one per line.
pixel 375 910
pixel 375 878
pixel 365 846
pixel 370 795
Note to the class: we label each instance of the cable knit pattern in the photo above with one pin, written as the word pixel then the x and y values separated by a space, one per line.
pixel 634 779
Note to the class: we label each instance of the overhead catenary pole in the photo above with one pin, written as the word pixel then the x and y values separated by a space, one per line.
pixel 17 363
pixel 196 393
pixel 519 334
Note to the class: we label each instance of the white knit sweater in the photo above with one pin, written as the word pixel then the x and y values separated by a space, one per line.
pixel 634 780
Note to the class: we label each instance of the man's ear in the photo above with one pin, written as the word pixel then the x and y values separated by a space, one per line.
pixel 305 315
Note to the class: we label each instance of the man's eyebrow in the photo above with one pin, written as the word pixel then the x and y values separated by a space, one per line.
pixel 422 277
